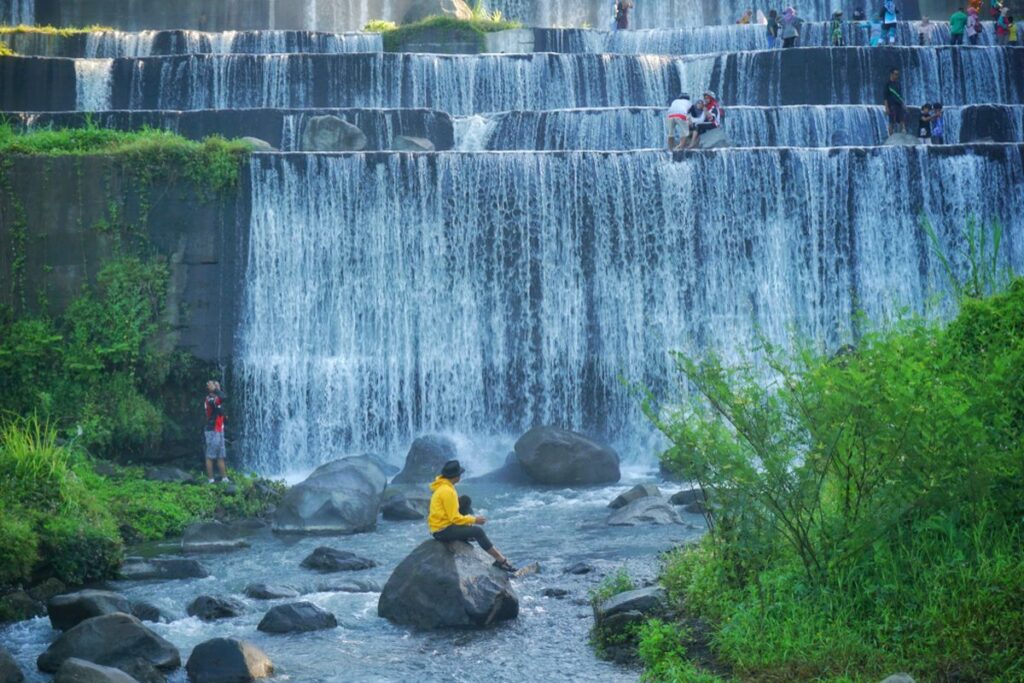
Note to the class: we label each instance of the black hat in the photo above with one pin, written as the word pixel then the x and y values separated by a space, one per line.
pixel 451 469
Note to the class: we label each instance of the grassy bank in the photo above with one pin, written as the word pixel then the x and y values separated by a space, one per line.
pixel 60 32
pixel 867 508
pixel 62 519
pixel 474 30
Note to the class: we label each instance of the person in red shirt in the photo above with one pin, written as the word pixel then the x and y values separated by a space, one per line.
pixel 214 432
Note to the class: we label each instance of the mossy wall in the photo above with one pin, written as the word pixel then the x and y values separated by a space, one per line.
pixel 63 218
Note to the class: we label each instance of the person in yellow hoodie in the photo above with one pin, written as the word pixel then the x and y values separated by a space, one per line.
pixel 447 523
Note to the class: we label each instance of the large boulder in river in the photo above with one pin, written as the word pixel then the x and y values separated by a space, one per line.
pixel 325 559
pixel 270 591
pixel 645 511
pixel 687 496
pixel 71 609
pixel 111 640
pixel 214 607
pixel 9 670
pixel 332 134
pixel 510 473
pixel 297 617
pixel 426 457
pixel 76 670
pixel 400 508
pixel 636 493
pixel 228 660
pixel 216 537
pixel 341 497
pixel 559 457
pixel 421 9
pixel 443 585
pixel 142 569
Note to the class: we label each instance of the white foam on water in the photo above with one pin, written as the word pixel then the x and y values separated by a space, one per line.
pixel 472 133
pixel 93 84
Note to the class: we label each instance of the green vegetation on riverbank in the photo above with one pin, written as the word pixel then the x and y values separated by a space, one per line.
pixel 64 520
pixel 214 164
pixel 458 30
pixel 867 509
pixel 61 32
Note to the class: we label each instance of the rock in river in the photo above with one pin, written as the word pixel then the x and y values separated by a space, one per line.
pixel 341 497
pixel 141 569
pixel 636 493
pixel 270 591
pixel 645 511
pixel 686 496
pixel 228 660
pixel 215 537
pixel 443 585
pixel 399 508
pixel 554 456
pixel 9 671
pixel 81 671
pixel 111 640
pixel 71 609
pixel 325 559
pixel 425 458
pixel 213 607
pixel 297 617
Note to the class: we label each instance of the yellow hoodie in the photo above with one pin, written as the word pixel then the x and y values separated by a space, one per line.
pixel 444 507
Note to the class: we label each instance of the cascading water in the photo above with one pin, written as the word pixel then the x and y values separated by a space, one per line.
pixel 93 84
pixel 22 12
pixel 110 44
pixel 150 43
pixel 644 128
pixel 466 85
pixel 481 293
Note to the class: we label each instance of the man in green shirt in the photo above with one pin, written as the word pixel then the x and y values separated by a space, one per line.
pixel 957 22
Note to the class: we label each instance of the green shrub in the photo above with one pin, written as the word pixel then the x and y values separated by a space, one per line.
pixel 663 652
pixel 78 550
pixel 19 546
pixel 395 37
pixel 618 582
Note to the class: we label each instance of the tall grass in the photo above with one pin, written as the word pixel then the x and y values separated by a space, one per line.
pixel 34 468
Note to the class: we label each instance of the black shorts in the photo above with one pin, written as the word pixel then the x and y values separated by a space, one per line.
pixel 702 128
pixel 896 113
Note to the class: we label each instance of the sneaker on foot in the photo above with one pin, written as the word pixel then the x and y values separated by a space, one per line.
pixel 211 481
pixel 505 566
pixel 225 480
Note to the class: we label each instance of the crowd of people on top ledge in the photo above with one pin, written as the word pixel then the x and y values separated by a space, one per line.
pixel 880 28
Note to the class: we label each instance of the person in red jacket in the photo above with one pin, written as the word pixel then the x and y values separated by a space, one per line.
pixel 214 431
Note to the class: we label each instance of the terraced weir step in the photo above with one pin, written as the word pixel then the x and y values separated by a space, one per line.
pixel 501 290
pixel 474 84
pixel 350 15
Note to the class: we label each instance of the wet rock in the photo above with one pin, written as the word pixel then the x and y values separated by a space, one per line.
pixel 10 672
pixel 47 589
pixel 579 568
pixel 110 640
pixel 901 139
pixel 228 660
pixel 899 678
pixel 214 537
pixel 142 670
pixel 686 496
pixel 645 601
pixel 75 670
pixel 348 586
pixel 554 456
pixel 421 9
pixel 405 508
pixel 697 507
pixel 297 617
pixel 325 559
pixel 147 611
pixel 557 593
pixel 213 607
pixel 645 511
pixel 442 585
pixel 341 497
pixel 259 145
pixel 331 134
pixel 426 457
pixel 168 475
pixel 635 493
pixel 143 569
pixel 716 138
pixel 20 605
pixel 73 608
pixel 406 143
pixel 510 473
pixel 387 468
pixel 270 591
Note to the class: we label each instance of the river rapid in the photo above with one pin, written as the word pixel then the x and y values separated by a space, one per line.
pixel 548 642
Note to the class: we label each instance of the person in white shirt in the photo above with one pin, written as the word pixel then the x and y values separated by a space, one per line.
pixel 677 120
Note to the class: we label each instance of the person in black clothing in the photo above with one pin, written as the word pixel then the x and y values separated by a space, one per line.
pixel 924 125
pixel 895 111
pixel 622 9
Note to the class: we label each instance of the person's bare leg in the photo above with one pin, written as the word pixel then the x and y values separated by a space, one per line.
pixel 209 469
pixel 222 467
